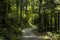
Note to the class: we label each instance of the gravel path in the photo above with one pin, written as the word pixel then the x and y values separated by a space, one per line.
pixel 28 34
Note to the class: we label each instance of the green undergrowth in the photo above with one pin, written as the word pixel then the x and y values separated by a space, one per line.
pixel 47 35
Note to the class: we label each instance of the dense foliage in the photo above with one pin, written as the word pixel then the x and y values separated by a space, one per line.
pixel 16 15
pixel 48 16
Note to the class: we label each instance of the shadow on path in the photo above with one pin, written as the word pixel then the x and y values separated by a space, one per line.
pixel 28 34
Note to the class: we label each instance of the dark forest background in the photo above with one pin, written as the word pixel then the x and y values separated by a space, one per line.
pixel 15 15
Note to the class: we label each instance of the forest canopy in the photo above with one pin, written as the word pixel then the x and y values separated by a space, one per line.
pixel 15 15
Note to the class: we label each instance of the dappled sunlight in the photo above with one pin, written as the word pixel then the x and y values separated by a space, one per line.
pixel 29 19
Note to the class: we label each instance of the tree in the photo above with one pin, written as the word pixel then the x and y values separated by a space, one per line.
pixel 9 22
pixel 48 19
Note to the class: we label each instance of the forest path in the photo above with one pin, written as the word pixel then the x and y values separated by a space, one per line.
pixel 28 34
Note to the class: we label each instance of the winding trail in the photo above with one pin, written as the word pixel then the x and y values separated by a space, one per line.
pixel 28 34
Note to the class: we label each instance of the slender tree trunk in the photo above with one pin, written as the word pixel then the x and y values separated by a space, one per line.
pixel 20 12
pixel 26 7
pixel 17 6
pixel 59 22
pixel 40 2
pixel 2 13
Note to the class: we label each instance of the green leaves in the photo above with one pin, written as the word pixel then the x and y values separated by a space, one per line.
pixel 16 15
pixel 58 7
